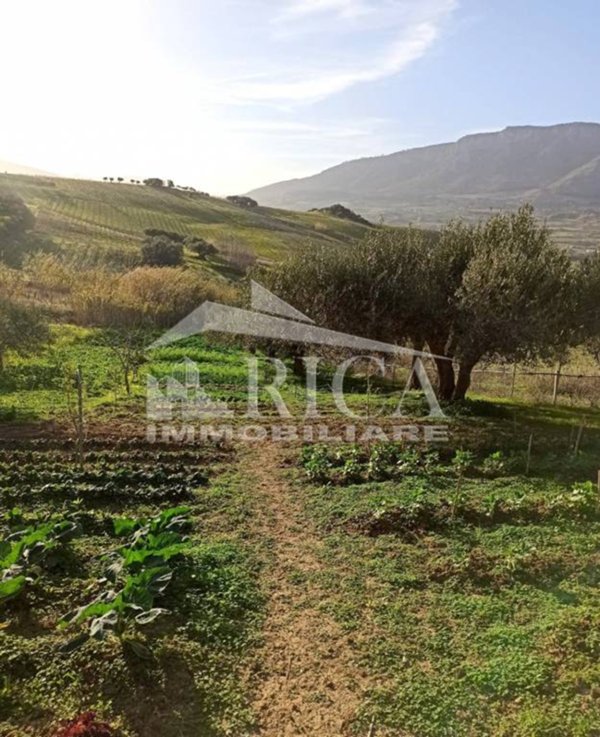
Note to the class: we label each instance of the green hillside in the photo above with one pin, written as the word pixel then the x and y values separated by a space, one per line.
pixel 85 213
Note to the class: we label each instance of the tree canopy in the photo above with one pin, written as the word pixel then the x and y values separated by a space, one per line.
pixel 17 238
pixel 242 200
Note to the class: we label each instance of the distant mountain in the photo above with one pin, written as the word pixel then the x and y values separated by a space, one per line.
pixel 557 168
pixel 7 167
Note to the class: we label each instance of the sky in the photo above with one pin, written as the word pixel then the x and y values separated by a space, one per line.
pixel 228 95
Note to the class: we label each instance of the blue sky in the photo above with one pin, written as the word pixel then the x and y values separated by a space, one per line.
pixel 233 94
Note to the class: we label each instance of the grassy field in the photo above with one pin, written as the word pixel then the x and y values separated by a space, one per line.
pixel 89 215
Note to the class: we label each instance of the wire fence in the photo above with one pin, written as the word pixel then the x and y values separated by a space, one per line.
pixel 554 387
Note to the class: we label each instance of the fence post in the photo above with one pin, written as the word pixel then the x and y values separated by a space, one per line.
pixel 514 379
pixel 556 383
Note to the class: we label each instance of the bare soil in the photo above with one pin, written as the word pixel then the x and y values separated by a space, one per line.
pixel 308 682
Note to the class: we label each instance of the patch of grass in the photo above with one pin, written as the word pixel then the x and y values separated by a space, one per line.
pixel 473 622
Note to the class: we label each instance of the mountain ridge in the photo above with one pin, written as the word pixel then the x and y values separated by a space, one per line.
pixel 556 167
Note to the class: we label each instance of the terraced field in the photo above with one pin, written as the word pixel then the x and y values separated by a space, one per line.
pixel 81 213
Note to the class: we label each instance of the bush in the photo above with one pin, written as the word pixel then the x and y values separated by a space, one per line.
pixel 146 296
pixel 242 201
pixel 238 257
pixel 162 251
pixel 16 236
pixel 200 247
pixel 22 328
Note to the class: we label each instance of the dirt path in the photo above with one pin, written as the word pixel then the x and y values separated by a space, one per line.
pixel 309 683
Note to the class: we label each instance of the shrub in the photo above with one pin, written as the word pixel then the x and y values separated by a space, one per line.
pixel 200 247
pixel 242 201
pixel 146 296
pixel 239 258
pixel 22 328
pixel 162 251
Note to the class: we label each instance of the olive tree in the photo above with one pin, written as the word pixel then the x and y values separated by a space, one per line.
pixel 161 251
pixel 500 289
pixel 516 299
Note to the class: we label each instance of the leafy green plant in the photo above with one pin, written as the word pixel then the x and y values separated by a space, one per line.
pixel 356 464
pixel 495 464
pixel 316 462
pixel 137 573
pixel 583 499
pixel 461 463
pixel 28 550
pixel 122 612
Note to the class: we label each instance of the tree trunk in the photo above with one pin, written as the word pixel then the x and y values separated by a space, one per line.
pixel 446 379
pixel 298 367
pixel 463 381
pixel 445 369
pixel 418 345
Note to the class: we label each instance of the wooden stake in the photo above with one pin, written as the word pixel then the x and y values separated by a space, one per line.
pixel 529 454
pixel 372 728
pixel 599 482
pixel 514 379
pixel 79 422
pixel 578 441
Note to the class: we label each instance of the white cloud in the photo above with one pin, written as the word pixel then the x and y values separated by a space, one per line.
pixel 318 84
pixel 350 42
pixel 93 89
pixel 343 8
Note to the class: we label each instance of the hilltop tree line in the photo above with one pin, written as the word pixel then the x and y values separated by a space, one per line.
pixel 499 290
pixel 158 183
